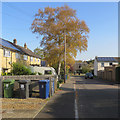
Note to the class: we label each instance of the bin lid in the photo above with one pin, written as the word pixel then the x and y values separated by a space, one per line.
pixel 24 81
pixel 44 81
pixel 9 81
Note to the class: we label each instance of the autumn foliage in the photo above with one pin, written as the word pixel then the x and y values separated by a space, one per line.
pixel 53 24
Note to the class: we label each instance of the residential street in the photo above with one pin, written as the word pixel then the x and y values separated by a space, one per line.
pixel 83 98
pixel 59 59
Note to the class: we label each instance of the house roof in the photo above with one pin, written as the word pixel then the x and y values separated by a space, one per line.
pixel 21 49
pixel 7 44
pixel 27 51
pixel 117 58
pixel 106 59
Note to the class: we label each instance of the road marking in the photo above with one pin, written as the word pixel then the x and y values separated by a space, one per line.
pixel 76 107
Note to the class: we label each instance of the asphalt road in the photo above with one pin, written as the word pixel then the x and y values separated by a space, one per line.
pixel 83 98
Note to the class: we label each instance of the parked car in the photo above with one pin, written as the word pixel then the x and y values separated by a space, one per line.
pixel 89 75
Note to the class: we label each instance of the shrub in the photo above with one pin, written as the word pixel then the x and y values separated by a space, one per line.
pixel 20 69
pixel 85 69
pixel 9 73
pixel 61 81
pixel 6 74
pixel 3 74
pixel 33 73
pixel 58 84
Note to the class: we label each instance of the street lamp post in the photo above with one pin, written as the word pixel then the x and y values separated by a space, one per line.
pixel 65 57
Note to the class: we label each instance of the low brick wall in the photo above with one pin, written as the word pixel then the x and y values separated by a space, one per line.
pixel 27 77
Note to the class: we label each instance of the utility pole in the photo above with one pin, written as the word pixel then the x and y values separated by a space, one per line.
pixel 65 57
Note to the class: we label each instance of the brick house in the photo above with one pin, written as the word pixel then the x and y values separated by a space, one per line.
pixel 11 52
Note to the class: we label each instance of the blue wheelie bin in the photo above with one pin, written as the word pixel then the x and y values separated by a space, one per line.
pixel 66 77
pixel 44 88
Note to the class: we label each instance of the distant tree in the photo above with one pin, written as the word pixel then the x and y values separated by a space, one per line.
pixel 53 24
pixel 90 61
pixel 39 52
pixel 85 69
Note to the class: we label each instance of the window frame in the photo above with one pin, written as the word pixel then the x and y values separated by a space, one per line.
pixel 35 59
pixel 25 57
pixel 17 55
pixel 102 64
pixel 6 53
pixel 31 59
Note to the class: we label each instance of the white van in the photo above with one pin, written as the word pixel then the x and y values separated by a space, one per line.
pixel 43 70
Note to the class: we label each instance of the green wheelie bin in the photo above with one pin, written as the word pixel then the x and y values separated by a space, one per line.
pixel 8 88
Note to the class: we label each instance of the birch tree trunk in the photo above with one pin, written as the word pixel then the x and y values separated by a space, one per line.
pixel 59 66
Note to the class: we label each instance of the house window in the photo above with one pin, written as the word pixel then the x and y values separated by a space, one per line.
pixel 35 59
pixel 31 58
pixel 102 64
pixel 110 63
pixel 38 60
pixel 17 55
pixel 25 57
pixel 6 53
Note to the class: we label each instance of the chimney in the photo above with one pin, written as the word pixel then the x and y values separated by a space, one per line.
pixel 25 46
pixel 15 41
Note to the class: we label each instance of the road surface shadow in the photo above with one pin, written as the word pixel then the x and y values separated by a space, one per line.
pixel 92 103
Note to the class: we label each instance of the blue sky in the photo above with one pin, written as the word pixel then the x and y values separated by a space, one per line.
pixel 101 18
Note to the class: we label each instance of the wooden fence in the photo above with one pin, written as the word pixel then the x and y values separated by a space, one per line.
pixel 109 73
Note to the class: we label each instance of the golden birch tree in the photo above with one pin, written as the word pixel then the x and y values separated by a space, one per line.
pixel 52 24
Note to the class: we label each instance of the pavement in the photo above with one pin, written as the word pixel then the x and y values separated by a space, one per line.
pixel 78 98
pixel 61 105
